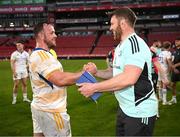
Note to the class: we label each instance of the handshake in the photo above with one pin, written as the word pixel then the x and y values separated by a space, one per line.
pixel 86 82
pixel 90 67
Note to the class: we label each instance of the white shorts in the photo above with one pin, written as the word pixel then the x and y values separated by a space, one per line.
pixel 166 74
pixel 51 124
pixel 20 75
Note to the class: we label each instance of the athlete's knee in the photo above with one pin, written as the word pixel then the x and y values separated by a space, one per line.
pixel 16 85
pixel 24 83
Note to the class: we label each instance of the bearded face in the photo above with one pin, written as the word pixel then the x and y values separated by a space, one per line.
pixel 117 33
pixel 115 28
pixel 51 43
pixel 50 36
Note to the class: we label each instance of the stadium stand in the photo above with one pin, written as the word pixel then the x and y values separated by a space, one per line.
pixel 83 26
pixel 163 36
pixel 74 45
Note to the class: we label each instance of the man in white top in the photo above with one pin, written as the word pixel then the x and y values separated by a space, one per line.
pixel 165 61
pixel 48 81
pixel 19 62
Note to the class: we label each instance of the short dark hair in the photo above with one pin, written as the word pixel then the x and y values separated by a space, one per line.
pixel 126 13
pixel 18 41
pixel 156 40
pixel 38 28
pixel 166 44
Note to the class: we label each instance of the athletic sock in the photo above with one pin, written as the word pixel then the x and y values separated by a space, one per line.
pixel 24 95
pixel 174 100
pixel 14 96
pixel 160 94
pixel 164 94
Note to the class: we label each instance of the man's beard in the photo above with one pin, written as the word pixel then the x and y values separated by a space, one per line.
pixel 50 44
pixel 118 33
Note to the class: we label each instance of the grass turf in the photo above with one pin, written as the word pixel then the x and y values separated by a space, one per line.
pixel 87 117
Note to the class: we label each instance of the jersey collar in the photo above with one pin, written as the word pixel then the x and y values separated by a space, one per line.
pixel 36 49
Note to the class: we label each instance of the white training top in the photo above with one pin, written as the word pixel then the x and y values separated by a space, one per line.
pixel 163 56
pixel 21 60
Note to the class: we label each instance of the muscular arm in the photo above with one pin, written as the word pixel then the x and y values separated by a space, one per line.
pixel 127 78
pixel 158 65
pixel 177 65
pixel 13 66
pixel 161 72
pixel 27 63
pixel 123 80
pixel 104 74
pixel 63 78
pixel 169 62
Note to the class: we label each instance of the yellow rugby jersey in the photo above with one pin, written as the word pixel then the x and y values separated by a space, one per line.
pixel 53 52
pixel 46 96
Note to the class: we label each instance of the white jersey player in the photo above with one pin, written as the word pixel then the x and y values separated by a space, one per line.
pixel 164 56
pixel 19 62
pixel 165 61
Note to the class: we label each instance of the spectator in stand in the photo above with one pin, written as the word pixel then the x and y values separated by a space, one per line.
pixel 19 66
pixel 175 77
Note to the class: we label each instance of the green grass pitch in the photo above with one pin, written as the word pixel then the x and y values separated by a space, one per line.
pixel 87 117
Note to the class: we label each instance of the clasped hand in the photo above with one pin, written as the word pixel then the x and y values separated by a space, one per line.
pixel 87 89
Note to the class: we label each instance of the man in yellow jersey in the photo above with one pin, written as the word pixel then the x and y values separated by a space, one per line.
pixel 48 81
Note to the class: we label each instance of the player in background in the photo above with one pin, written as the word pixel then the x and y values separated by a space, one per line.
pixel 175 77
pixel 165 61
pixel 109 58
pixel 157 69
pixel 19 66
pixel 156 47
pixel 156 50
